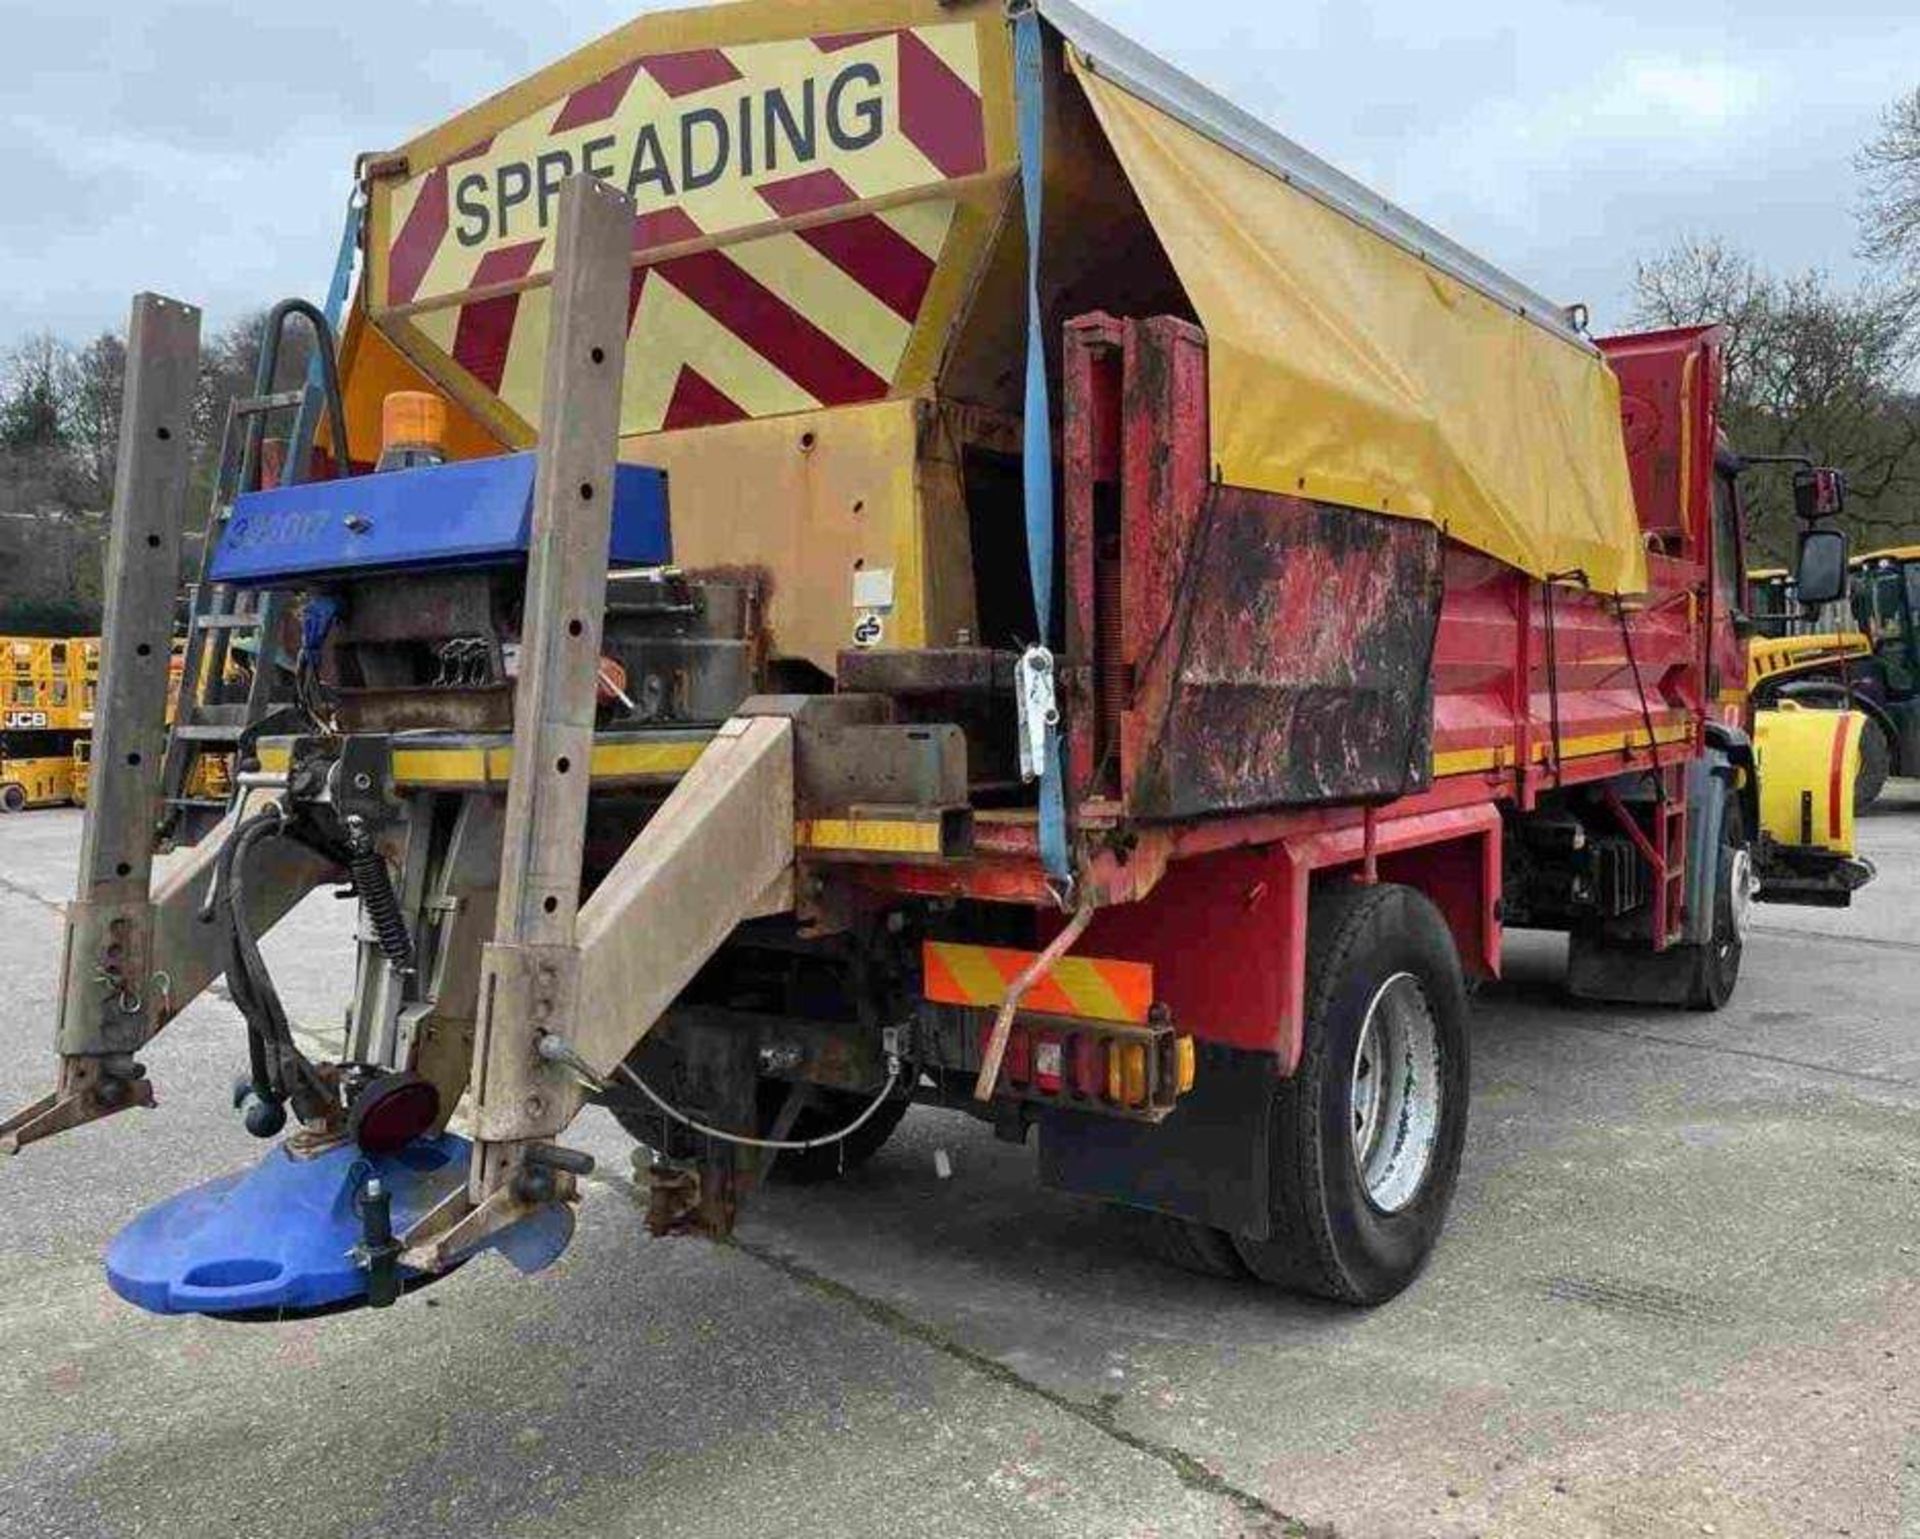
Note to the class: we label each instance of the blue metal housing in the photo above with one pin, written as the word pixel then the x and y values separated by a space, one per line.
pixel 469 513
pixel 277 1239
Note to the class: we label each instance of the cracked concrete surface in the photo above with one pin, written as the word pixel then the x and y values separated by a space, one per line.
pixel 1680 1294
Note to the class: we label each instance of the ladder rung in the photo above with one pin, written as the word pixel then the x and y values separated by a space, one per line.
pixel 280 400
pixel 227 622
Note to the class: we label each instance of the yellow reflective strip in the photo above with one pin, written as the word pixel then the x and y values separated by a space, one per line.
pixel 491 766
pixel 1086 986
pixel 645 758
pixel 890 836
pixel 439 766
pixel 972 969
pixel 1462 761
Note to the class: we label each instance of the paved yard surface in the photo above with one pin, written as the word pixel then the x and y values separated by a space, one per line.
pixel 1680 1295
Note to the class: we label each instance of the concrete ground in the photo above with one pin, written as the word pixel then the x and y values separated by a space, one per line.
pixel 1680 1294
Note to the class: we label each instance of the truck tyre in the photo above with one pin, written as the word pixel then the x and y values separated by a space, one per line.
pixel 1193 1246
pixel 1366 1135
pixel 13 798
pixel 1716 965
pixel 1876 763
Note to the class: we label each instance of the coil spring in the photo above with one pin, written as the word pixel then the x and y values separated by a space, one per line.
pixel 375 887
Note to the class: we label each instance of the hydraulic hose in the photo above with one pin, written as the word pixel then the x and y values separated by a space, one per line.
pixel 280 1071
pixel 370 879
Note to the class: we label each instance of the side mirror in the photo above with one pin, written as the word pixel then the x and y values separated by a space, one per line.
pixel 1821 576
pixel 1819 491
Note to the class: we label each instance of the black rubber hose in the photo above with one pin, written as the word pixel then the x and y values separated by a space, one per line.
pixel 370 879
pixel 259 1065
pixel 292 1077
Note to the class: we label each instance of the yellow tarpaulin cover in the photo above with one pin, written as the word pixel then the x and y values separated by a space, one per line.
pixel 1345 369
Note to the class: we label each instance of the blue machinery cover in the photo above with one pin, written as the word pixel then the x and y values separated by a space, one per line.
pixel 469 513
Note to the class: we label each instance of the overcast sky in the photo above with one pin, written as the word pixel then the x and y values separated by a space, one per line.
pixel 205 149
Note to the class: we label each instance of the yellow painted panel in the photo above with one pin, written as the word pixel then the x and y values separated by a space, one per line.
pixel 798 501
pixel 1807 761
pixel 880 836
pixel 1345 369
pixel 1462 761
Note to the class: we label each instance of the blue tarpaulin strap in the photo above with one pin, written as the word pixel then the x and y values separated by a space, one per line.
pixel 334 307
pixel 1037 443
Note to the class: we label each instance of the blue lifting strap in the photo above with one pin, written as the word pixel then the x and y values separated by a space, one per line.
pixel 313 395
pixel 1037 441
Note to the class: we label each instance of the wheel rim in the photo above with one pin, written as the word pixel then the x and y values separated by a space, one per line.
pixel 1395 1093
pixel 1740 874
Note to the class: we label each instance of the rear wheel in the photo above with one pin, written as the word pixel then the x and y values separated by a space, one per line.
pixel 1716 965
pixel 1365 1138
pixel 13 798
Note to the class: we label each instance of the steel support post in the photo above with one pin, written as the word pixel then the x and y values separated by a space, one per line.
pixel 110 1002
pixel 529 972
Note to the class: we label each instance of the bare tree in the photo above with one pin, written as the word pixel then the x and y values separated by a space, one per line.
pixel 1701 278
pixel 1890 166
pixel 93 414
pixel 1811 369
pixel 37 374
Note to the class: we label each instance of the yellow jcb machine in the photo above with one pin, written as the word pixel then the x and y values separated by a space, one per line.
pixel 46 711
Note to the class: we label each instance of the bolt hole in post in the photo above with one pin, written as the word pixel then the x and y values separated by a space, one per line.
pixel 574 627
pixel 163 434
pixel 563 764
pixel 550 904
pixel 598 355
pixel 586 491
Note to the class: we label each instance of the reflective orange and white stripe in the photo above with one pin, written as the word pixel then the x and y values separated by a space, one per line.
pixel 1098 988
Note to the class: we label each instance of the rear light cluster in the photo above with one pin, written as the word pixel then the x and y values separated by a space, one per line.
pixel 1136 1071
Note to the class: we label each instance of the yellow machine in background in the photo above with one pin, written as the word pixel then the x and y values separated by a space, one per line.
pixel 47 690
pixel 47 687
pixel 1773 660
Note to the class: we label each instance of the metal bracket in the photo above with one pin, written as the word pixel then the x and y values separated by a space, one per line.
pixel 87 1092
pixel 1039 708
pixel 457 1224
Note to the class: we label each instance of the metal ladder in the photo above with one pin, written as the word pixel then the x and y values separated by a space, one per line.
pixel 213 713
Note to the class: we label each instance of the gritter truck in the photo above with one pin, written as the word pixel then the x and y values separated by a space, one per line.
pixel 886 551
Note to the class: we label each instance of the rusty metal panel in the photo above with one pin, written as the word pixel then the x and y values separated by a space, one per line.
pixel 1268 650
pixel 1298 660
